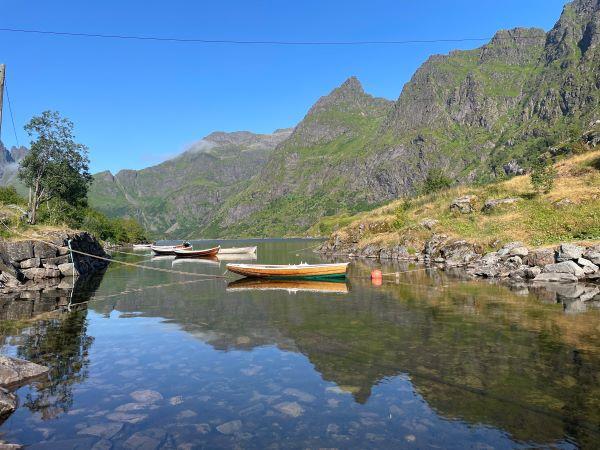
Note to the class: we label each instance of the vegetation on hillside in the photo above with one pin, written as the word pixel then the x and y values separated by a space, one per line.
pixel 565 207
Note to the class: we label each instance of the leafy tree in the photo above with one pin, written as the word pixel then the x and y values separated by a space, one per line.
pixel 543 176
pixel 436 181
pixel 10 196
pixel 56 166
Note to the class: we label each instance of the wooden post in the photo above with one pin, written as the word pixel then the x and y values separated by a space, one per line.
pixel 2 71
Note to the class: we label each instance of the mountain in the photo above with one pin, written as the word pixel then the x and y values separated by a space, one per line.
pixel 182 195
pixel 477 115
pixel 9 164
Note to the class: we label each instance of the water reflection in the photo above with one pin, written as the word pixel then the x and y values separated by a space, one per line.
pixel 422 360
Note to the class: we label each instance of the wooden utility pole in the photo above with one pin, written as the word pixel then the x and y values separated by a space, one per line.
pixel 2 71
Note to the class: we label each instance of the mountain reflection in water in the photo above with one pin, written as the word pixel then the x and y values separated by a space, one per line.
pixel 421 361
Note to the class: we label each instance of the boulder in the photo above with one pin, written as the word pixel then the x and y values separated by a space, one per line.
pixel 569 252
pixel 41 273
pixel 519 251
pixel 588 266
pixel 532 272
pixel 61 251
pixel 57 261
pixel 68 270
pixel 492 204
pixel 458 253
pixel 370 251
pixel 8 402
pixel 507 248
pixel 514 262
pixel 43 250
pixel 556 277
pixel 569 267
pixel 30 263
pixel 593 254
pixel 463 205
pixel 16 371
pixel 589 293
pixel 17 251
pixel 428 223
pixel 541 257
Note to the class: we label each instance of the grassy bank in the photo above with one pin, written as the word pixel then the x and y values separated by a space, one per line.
pixel 570 211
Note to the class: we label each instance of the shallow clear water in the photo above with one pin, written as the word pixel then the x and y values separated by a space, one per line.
pixel 161 360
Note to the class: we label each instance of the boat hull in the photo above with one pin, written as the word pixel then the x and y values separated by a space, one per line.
pixel 168 249
pixel 205 253
pixel 290 272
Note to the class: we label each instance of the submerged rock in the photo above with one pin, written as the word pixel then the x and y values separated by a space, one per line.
pixel 292 409
pixel 146 396
pixel 106 430
pixel 230 427
pixel 8 402
pixel 15 371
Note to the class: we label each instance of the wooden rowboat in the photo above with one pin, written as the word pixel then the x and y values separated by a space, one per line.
pixel 169 249
pixel 237 250
pixel 290 286
pixel 307 271
pixel 190 253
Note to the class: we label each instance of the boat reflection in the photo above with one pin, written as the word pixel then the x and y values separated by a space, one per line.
pixel 291 286
pixel 214 261
pixel 237 257
pixel 162 258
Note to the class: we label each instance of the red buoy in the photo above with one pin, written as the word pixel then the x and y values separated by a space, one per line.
pixel 376 277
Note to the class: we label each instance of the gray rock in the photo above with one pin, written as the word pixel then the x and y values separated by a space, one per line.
pixel 105 431
pixel 43 250
pixel 506 249
pixel 292 409
pixel 17 251
pixel 146 396
pixel 40 273
pixel 492 204
pixel 556 277
pixel 428 223
pixel 541 257
pixel 589 293
pixel 565 267
pixel 126 417
pixel 593 254
pixel 68 270
pixel 8 402
pixel 532 272
pixel 150 439
pixel 463 205
pixel 16 371
pixel 514 262
pixel 519 251
pixel 491 258
pixel 230 427
pixel 568 252
pixel 588 266
pixel 30 263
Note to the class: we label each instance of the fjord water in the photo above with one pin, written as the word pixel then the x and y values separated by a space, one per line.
pixel 163 360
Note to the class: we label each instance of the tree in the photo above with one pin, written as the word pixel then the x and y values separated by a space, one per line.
pixel 436 181
pixel 56 167
pixel 543 175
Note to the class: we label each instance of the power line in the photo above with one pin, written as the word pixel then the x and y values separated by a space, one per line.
pixel 257 42
pixel 12 119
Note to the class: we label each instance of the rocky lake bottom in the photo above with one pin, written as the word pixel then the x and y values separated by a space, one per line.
pixel 145 359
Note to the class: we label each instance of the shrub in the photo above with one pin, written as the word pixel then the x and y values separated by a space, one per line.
pixel 10 196
pixel 436 181
pixel 543 176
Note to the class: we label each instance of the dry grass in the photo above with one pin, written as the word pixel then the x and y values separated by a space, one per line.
pixel 534 219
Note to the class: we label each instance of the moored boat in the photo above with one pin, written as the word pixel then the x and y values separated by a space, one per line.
pixel 237 250
pixel 191 253
pixel 169 249
pixel 291 271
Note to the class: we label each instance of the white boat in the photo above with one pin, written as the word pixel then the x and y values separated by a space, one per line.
pixel 237 250
pixel 169 249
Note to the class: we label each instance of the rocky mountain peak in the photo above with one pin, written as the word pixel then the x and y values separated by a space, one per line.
pixel 514 46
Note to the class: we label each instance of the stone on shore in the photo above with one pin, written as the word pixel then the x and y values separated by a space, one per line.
pixel 556 277
pixel 15 371
pixel 43 250
pixel 8 402
pixel 568 252
pixel 30 263
pixel 569 267
pixel 588 266
pixel 17 251
pixel 540 257
pixel 41 273
pixel 67 270
pixel 593 254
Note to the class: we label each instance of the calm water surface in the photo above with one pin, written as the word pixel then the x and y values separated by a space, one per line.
pixel 158 360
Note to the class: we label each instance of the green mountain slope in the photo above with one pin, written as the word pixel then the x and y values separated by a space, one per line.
pixel 477 115
pixel 180 196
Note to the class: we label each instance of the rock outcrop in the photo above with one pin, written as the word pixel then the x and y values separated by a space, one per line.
pixel 24 263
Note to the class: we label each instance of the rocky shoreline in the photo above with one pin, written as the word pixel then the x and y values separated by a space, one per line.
pixel 32 264
pixel 577 266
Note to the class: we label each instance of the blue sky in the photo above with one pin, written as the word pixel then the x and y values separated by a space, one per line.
pixel 137 103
